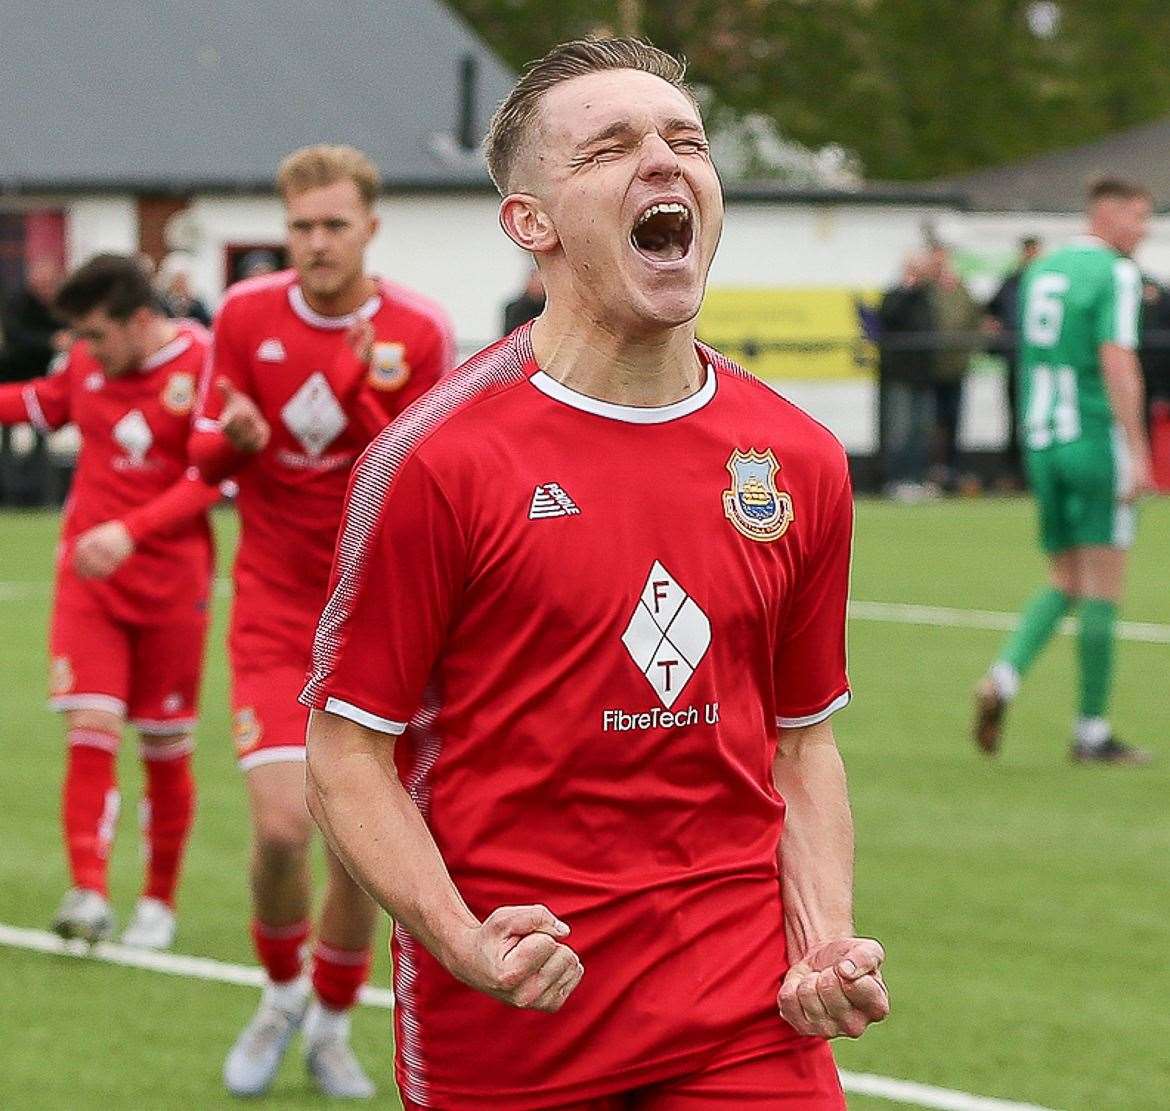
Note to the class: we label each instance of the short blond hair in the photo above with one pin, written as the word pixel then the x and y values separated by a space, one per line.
pixel 313 167
pixel 512 123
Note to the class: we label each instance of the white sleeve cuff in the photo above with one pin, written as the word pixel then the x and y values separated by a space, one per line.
pixel 363 717
pixel 838 703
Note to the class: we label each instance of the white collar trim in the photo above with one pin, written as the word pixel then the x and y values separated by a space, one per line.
pixel 1089 240
pixel 165 353
pixel 629 414
pixel 296 298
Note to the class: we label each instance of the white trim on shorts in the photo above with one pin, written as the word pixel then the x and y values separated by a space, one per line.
pixel 281 754
pixel 107 703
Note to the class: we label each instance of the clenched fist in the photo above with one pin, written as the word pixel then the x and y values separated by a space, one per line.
pixel 241 420
pixel 837 989
pixel 100 551
pixel 516 954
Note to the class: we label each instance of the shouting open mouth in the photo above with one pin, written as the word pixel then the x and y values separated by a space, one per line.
pixel 664 232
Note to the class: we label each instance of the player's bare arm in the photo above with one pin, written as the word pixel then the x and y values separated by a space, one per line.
pixel 241 420
pixel 1123 383
pixel 834 986
pixel 516 954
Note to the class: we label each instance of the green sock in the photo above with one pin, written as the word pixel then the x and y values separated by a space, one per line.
pixel 1038 622
pixel 1098 618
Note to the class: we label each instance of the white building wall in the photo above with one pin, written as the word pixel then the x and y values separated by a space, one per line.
pixel 96 224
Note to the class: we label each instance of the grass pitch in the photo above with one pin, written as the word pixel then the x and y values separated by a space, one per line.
pixel 1024 903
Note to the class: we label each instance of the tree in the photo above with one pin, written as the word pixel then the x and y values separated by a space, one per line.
pixel 916 89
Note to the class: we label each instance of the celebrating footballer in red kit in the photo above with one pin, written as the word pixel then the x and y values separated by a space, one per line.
pixel 133 572
pixel 308 366
pixel 571 691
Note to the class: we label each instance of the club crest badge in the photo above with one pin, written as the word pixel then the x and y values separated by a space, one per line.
pixel 179 394
pixel 389 369
pixel 754 504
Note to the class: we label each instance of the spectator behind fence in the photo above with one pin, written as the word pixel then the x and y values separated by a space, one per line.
pixel 177 292
pixel 33 337
pixel 526 307
pixel 956 319
pixel 1002 321
pixel 905 376
pixel 1154 351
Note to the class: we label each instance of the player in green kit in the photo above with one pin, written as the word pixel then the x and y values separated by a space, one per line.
pixel 1087 458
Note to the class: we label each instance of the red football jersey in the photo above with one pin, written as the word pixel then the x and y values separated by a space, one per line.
pixel 594 617
pixel 324 407
pixel 134 434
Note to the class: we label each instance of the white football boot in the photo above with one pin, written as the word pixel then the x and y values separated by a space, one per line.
pixel 84 914
pixel 152 927
pixel 329 1058
pixel 252 1064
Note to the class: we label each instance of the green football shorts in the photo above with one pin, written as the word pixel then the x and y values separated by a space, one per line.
pixel 1079 489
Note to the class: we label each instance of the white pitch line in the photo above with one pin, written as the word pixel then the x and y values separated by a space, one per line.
pixel 926 1095
pixel 173 964
pixel 204 968
pixel 901 613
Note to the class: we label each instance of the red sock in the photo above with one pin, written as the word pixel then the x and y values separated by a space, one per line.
pixel 167 817
pixel 338 975
pixel 279 949
pixel 89 805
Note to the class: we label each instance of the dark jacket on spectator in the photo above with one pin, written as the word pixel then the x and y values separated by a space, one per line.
pixel 28 326
pixel 907 319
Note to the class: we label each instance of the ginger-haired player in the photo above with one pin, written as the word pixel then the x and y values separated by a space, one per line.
pixel 308 365
pixel 573 682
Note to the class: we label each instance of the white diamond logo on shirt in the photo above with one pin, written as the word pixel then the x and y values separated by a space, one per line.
pixel 550 500
pixel 132 434
pixel 668 635
pixel 313 415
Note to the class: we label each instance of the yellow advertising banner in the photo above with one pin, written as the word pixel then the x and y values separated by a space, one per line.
pixel 784 334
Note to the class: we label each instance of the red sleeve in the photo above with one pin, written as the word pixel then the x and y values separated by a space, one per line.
pixel 41 402
pixel 209 449
pixel 181 502
pixel 397 577
pixel 811 681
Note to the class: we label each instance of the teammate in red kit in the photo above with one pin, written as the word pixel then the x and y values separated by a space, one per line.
pixel 586 630
pixel 308 366
pixel 134 565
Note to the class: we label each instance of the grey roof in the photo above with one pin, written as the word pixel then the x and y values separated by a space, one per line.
pixel 211 94
pixel 1056 182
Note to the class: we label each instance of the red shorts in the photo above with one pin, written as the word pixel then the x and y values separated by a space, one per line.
pixel 267 720
pixel 148 674
pixel 799 1077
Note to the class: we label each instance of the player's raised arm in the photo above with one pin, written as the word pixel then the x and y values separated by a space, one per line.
pixel 228 426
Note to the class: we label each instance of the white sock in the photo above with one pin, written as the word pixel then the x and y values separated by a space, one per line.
pixel 290 996
pixel 325 1024
pixel 1093 732
pixel 1006 680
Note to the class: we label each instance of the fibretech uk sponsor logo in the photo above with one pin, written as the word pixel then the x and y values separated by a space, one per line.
pixel 618 721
